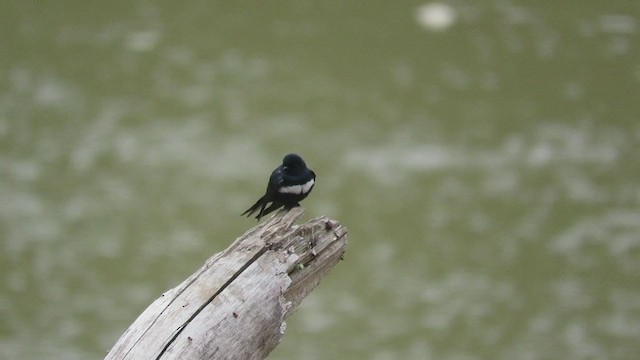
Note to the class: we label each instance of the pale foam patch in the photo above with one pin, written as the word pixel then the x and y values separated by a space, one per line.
pixel 298 189
pixel 436 16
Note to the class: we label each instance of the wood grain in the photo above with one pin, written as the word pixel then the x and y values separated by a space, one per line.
pixel 235 306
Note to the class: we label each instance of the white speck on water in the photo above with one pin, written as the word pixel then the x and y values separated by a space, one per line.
pixel 22 170
pixel 571 295
pixel 618 24
pixel 618 46
pixel 436 16
pixel 403 75
pixel 127 147
pixel 419 157
pixel 143 41
pixel 516 15
pixel 615 233
pixel 51 93
pixel 618 323
pixel 187 238
pixel 580 339
pixel 318 320
pixel 574 91
pixel 540 154
pixel 21 204
pixel 94 140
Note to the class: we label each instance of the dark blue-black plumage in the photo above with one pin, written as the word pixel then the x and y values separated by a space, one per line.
pixel 289 184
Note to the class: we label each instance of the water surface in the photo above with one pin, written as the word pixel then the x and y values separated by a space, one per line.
pixel 484 156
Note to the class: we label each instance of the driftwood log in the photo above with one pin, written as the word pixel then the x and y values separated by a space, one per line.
pixel 235 306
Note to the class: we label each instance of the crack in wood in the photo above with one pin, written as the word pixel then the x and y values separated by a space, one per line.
pixel 203 306
pixel 167 329
pixel 162 312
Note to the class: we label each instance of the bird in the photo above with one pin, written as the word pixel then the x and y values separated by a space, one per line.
pixel 289 184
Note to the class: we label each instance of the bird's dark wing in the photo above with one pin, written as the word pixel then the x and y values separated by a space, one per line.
pixel 273 207
pixel 275 181
pixel 254 207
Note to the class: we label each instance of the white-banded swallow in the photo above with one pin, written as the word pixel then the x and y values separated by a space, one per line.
pixel 289 184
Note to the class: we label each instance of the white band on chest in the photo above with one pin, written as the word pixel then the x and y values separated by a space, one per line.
pixel 297 189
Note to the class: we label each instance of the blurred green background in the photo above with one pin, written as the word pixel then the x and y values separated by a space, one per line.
pixel 485 156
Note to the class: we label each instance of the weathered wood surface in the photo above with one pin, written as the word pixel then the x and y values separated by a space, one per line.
pixel 235 306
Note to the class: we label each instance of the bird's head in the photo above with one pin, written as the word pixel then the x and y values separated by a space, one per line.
pixel 293 162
